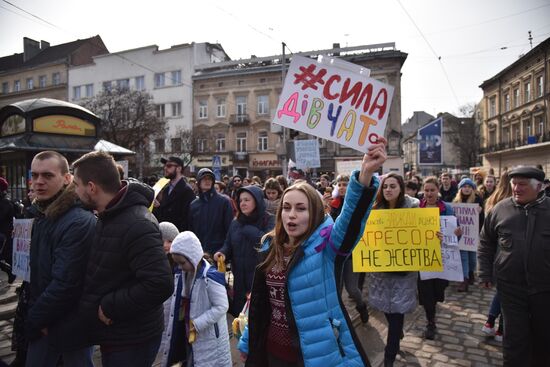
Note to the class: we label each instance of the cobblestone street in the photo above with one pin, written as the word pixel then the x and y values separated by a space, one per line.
pixel 459 340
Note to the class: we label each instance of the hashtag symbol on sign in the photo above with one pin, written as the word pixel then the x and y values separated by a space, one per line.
pixel 308 78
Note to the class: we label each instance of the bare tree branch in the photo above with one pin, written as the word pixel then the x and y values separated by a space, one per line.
pixel 128 118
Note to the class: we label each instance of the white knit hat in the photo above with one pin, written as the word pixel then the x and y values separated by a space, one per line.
pixel 188 245
pixel 168 231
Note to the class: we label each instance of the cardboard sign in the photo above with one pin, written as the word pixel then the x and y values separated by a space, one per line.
pixel 334 102
pixel 399 240
pixel 21 248
pixel 452 265
pixel 468 219
pixel 158 187
pixel 307 153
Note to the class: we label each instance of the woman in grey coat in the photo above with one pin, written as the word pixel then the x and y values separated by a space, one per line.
pixel 393 293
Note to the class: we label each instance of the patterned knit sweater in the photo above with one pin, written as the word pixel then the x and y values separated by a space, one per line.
pixel 279 339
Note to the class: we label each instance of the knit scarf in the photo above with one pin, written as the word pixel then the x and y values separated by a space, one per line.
pixel 440 205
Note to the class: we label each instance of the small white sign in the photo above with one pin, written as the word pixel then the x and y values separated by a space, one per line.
pixel 347 167
pixel 124 165
pixel 468 219
pixel 307 153
pixel 450 254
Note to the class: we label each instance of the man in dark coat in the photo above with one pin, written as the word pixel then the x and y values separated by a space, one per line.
pixel 176 197
pixel 128 276
pixel 514 252
pixel 448 190
pixel 211 213
pixel 61 239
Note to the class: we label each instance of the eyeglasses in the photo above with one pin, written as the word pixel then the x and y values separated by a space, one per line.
pixel 237 180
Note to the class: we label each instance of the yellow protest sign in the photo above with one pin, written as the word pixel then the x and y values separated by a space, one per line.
pixel 158 187
pixel 399 240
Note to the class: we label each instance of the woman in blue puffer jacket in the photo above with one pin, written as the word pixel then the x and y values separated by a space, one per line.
pixel 296 316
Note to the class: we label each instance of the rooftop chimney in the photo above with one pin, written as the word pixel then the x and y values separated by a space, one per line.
pixel 44 45
pixel 336 45
pixel 31 48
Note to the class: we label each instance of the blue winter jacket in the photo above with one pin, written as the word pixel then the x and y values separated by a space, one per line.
pixel 325 335
pixel 210 216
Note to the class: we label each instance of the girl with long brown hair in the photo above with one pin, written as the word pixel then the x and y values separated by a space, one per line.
pixel 296 316
pixel 393 293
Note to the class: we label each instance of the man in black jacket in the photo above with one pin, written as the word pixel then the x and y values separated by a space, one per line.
pixel 211 214
pixel 514 252
pixel 448 190
pixel 61 239
pixel 176 197
pixel 128 276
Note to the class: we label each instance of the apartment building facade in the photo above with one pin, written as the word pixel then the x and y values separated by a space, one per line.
pixel 41 71
pixel 454 151
pixel 515 127
pixel 163 73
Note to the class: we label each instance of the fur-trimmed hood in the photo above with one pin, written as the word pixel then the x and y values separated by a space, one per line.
pixel 65 201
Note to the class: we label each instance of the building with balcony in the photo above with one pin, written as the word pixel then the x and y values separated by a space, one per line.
pixel 515 129
pixel 164 74
pixel 234 103
pixel 41 71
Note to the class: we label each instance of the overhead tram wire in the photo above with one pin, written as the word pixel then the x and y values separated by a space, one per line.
pixel 33 15
pixel 168 77
pixel 445 30
pixel 433 51
pixel 21 15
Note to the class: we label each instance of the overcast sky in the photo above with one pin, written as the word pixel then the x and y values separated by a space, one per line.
pixel 468 35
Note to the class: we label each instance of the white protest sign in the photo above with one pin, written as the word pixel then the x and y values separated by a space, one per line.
pixel 21 248
pixel 333 102
pixel 448 225
pixel 307 153
pixel 450 254
pixel 347 167
pixel 468 219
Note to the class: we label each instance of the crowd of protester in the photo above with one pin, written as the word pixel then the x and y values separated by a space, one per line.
pixel 106 270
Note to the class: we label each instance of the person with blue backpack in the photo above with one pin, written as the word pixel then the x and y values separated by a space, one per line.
pixel 296 315
pixel 198 311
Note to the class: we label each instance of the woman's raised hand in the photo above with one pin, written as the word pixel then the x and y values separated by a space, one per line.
pixel 373 160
